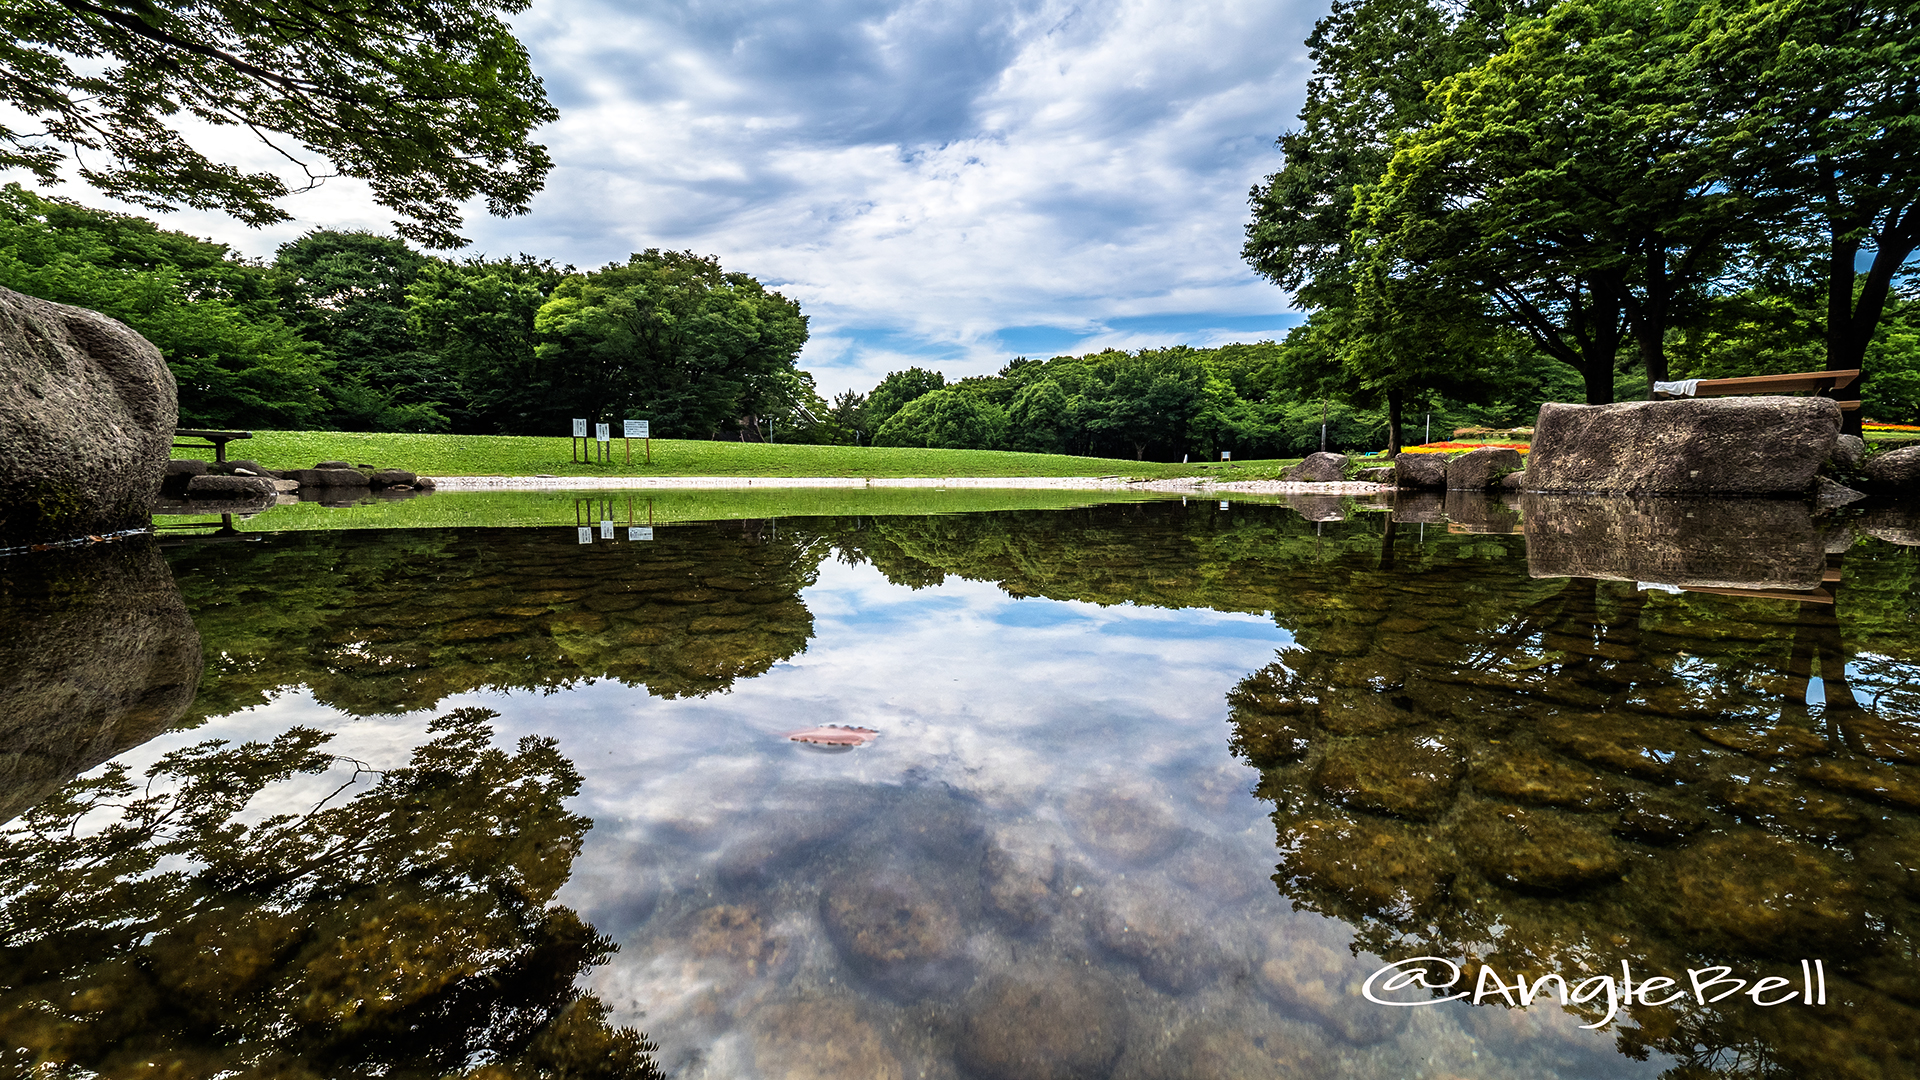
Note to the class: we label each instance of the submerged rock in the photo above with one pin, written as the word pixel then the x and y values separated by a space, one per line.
pixel 894 929
pixel 1536 850
pixel 1163 934
pixel 1740 446
pixel 1214 1050
pixel 1316 981
pixel 1043 1022
pixel 87 412
pixel 1764 894
pixel 1410 776
pixel 1019 872
pixel 1131 826
pixel 1524 776
pixel 1374 867
pixel 1828 495
pixel 821 1039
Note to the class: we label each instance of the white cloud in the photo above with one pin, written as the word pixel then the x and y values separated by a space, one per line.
pixel 938 183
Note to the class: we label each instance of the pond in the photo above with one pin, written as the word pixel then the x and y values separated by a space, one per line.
pixel 1171 788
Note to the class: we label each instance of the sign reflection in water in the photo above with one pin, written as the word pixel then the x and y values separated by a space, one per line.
pixel 1052 866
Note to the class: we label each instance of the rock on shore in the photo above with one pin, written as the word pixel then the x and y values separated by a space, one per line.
pixel 1745 446
pixel 87 412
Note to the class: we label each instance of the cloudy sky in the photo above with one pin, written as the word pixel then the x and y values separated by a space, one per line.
pixel 946 183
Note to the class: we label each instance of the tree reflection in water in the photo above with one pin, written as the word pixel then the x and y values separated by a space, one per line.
pixel 1557 775
pixel 147 927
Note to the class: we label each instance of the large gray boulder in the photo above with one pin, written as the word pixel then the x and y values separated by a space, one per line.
pixel 1420 470
pixel 385 478
pixel 1895 472
pixel 99 656
pixel 327 478
pixel 1320 468
pixel 1740 446
pixel 1477 470
pixel 87 412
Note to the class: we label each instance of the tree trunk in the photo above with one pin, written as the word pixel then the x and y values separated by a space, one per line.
pixel 1649 316
pixel 1851 321
pixel 1599 382
pixel 1395 399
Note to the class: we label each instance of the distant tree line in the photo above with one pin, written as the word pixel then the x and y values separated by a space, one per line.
pixel 1639 190
pixel 351 331
pixel 1258 400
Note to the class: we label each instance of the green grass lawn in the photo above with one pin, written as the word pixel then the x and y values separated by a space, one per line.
pixel 524 455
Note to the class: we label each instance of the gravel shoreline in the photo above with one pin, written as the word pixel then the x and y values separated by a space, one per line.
pixel 1190 486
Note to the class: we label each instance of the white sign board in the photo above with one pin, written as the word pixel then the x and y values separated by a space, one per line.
pixel 586 535
pixel 606 530
pixel 579 429
pixel 1223 505
pixel 1226 455
pixel 602 432
pixel 640 532
pixel 637 429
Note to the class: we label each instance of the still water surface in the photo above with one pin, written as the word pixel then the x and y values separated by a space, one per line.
pixel 1157 787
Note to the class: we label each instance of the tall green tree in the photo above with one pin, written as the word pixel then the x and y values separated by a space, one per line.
pixel 1572 181
pixel 1376 62
pixel 894 391
pixel 431 102
pixel 212 314
pixel 478 316
pixel 672 338
pixel 347 293
pixel 1147 401
pixel 948 419
pixel 1818 101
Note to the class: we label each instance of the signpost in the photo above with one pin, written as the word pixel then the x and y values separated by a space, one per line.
pixel 577 449
pixel 642 430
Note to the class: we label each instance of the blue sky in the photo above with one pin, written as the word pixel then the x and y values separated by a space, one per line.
pixel 948 184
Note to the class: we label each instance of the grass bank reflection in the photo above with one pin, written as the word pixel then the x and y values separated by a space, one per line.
pixel 396 622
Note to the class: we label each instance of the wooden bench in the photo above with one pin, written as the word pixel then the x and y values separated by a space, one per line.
pixel 215 440
pixel 1803 382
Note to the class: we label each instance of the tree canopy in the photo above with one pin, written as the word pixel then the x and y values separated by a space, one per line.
pixel 431 102
pixel 213 315
pixel 668 337
pixel 1611 179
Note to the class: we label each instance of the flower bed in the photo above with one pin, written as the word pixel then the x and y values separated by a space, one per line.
pixel 1458 447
